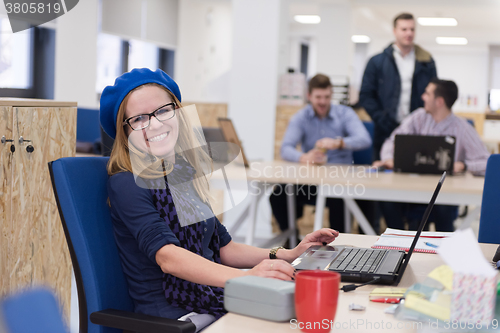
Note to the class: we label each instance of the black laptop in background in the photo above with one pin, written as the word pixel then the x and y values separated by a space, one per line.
pixel 424 154
pixel 354 264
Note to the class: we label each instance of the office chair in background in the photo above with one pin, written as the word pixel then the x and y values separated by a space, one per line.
pixel 79 185
pixel 365 156
pixel 30 311
pixel 489 223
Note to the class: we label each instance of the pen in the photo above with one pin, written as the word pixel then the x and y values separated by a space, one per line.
pixel 430 244
pixel 386 300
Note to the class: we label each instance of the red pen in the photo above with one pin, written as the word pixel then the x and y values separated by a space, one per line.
pixel 386 300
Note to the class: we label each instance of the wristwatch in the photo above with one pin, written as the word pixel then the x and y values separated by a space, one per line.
pixel 273 251
pixel 341 146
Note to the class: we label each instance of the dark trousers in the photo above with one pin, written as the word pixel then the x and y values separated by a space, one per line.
pixel 307 195
pixel 395 214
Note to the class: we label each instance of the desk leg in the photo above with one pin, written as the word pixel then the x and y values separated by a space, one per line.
pixel 347 219
pixel 360 217
pixel 290 198
pixel 471 216
pixel 320 209
pixel 256 192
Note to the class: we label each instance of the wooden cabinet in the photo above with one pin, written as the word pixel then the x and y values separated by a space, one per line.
pixel 33 249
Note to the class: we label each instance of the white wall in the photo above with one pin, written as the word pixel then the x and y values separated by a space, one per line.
pixel 359 61
pixel 330 47
pixel 204 52
pixel 76 49
pixel 468 67
pixel 154 21
pixel 335 48
pixel 254 74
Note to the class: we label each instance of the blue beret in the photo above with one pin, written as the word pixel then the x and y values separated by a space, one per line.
pixel 112 96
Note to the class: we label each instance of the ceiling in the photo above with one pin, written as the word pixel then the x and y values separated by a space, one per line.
pixel 478 20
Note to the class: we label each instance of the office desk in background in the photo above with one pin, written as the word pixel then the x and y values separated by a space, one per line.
pixel 350 182
pixel 421 264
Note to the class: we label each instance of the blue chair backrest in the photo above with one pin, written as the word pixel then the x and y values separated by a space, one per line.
pixel 81 194
pixel 489 225
pixel 365 156
pixel 88 126
pixel 31 311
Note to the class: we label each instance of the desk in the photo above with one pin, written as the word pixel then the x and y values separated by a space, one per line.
pixel 420 265
pixel 350 182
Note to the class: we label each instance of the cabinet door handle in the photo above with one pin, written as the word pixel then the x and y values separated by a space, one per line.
pixel 21 140
pixel 4 140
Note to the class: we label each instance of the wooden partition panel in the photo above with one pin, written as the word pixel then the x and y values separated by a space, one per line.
pixel 478 119
pixel 5 198
pixel 283 115
pixel 37 252
pixel 209 112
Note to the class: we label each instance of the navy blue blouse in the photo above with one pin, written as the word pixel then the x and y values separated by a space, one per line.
pixel 140 232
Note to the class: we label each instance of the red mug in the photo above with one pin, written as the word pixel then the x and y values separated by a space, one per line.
pixel 316 297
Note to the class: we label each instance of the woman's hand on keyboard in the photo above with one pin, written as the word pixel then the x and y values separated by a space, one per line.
pixel 273 268
pixel 318 237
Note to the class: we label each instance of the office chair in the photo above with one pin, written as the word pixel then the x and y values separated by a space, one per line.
pixel 79 185
pixel 31 311
pixel 489 223
pixel 365 156
pixel 471 122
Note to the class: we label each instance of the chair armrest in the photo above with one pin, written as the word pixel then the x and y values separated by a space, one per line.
pixel 140 323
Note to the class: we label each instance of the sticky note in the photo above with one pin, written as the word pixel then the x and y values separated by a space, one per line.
pixel 428 308
pixel 444 275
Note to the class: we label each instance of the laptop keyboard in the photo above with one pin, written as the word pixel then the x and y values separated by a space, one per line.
pixel 358 260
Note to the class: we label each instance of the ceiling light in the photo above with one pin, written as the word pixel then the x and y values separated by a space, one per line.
pixel 451 40
pixel 307 19
pixel 437 21
pixel 360 39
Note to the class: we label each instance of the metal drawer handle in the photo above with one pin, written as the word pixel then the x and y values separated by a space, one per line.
pixel 4 140
pixel 21 140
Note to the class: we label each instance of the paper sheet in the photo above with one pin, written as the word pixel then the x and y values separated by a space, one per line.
pixel 462 253
pixel 474 279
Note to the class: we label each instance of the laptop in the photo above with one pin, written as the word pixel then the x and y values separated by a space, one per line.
pixel 424 154
pixel 364 264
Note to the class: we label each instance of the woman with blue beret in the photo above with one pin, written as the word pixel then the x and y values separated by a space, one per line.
pixel 175 254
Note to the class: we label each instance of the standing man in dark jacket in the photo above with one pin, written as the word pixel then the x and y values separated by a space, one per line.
pixel 394 80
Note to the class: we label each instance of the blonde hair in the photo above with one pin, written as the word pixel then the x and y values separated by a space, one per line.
pixel 120 159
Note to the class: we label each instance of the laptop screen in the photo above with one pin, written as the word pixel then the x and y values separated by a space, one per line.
pixel 421 227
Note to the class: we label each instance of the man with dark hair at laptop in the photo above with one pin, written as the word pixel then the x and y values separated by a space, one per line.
pixel 327 133
pixel 436 119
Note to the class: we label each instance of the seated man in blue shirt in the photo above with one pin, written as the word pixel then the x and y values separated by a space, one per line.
pixel 327 133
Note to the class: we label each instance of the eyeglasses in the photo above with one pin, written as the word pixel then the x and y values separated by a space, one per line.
pixel 142 121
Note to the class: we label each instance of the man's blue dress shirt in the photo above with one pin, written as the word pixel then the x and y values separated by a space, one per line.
pixel 306 128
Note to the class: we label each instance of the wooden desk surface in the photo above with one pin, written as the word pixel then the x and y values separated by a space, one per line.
pixel 421 264
pixel 332 174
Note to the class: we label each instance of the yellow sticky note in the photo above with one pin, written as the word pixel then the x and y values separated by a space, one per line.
pixel 428 308
pixel 388 291
pixel 443 274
